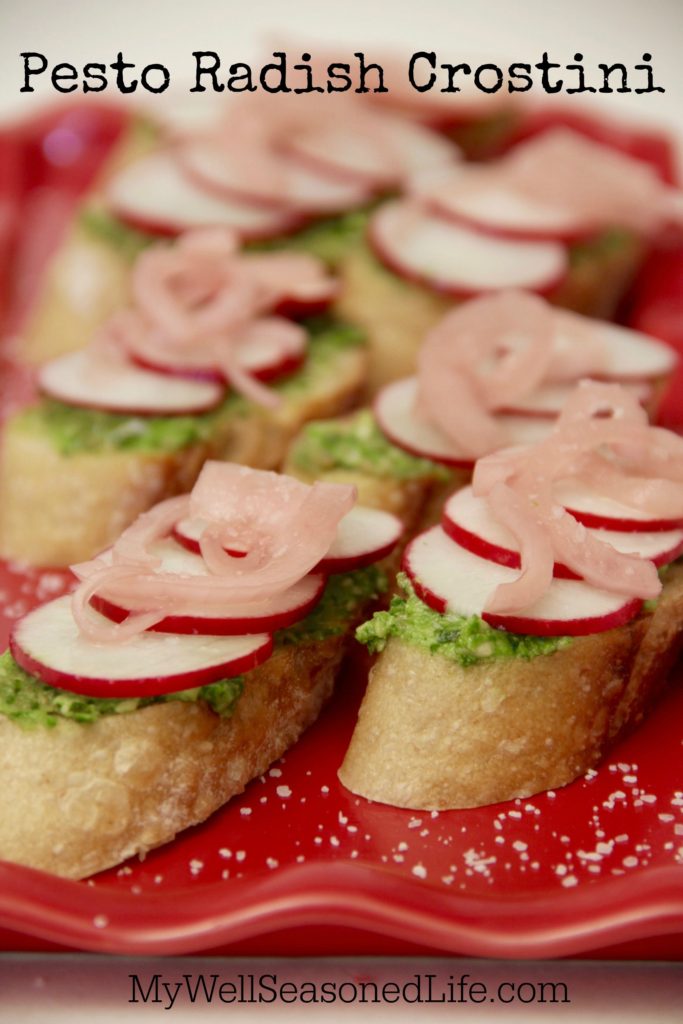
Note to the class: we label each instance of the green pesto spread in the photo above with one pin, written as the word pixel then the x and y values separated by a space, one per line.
pixel 24 699
pixel 346 597
pixel 600 248
pixel 29 702
pixel 357 444
pixel 328 239
pixel 73 430
pixel 465 640
pixel 103 227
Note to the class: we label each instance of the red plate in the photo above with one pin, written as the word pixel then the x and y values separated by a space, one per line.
pixel 298 865
pixel 597 863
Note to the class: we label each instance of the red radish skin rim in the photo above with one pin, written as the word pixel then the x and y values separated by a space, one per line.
pixel 454 463
pixel 189 410
pixel 226 626
pixel 282 207
pixel 150 686
pixel 598 522
pixel 374 183
pixel 328 566
pixel 504 556
pixel 566 237
pixel 283 369
pixel 333 566
pixel 493 552
pixel 288 225
pixel 434 284
pixel 567 627
pixel 527 626
pixel 298 309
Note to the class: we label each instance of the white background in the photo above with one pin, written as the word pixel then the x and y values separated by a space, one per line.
pixel 167 31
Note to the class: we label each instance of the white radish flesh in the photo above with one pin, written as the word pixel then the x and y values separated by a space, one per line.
pixel 468 520
pixel 120 386
pixel 594 509
pixel 447 257
pixel 155 195
pixel 547 401
pixel 400 149
pixel 47 643
pixel 397 418
pixel 630 355
pixel 364 535
pixel 449 578
pixel 277 612
pixel 499 210
pixel 298 189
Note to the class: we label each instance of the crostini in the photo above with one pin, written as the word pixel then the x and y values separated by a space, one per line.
pixel 191 655
pixel 204 363
pixel 272 171
pixel 559 215
pixel 494 371
pixel 495 683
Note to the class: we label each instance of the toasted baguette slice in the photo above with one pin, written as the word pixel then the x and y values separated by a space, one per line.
pixel 86 279
pixel 396 314
pixel 78 798
pixel 434 735
pixel 57 508
pixel 352 449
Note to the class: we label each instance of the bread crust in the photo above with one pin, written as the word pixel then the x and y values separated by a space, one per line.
pixel 58 509
pixel 78 798
pixel 434 735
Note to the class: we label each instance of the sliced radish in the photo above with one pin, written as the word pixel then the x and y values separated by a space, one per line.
pixel 468 521
pixel 277 612
pixel 48 644
pixel 155 195
pixel 120 386
pixel 364 536
pixel 449 578
pixel 269 348
pixel 631 355
pixel 499 210
pixel 423 247
pixel 298 187
pixel 595 510
pixel 269 371
pixel 395 412
pixel 399 149
pixel 547 401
